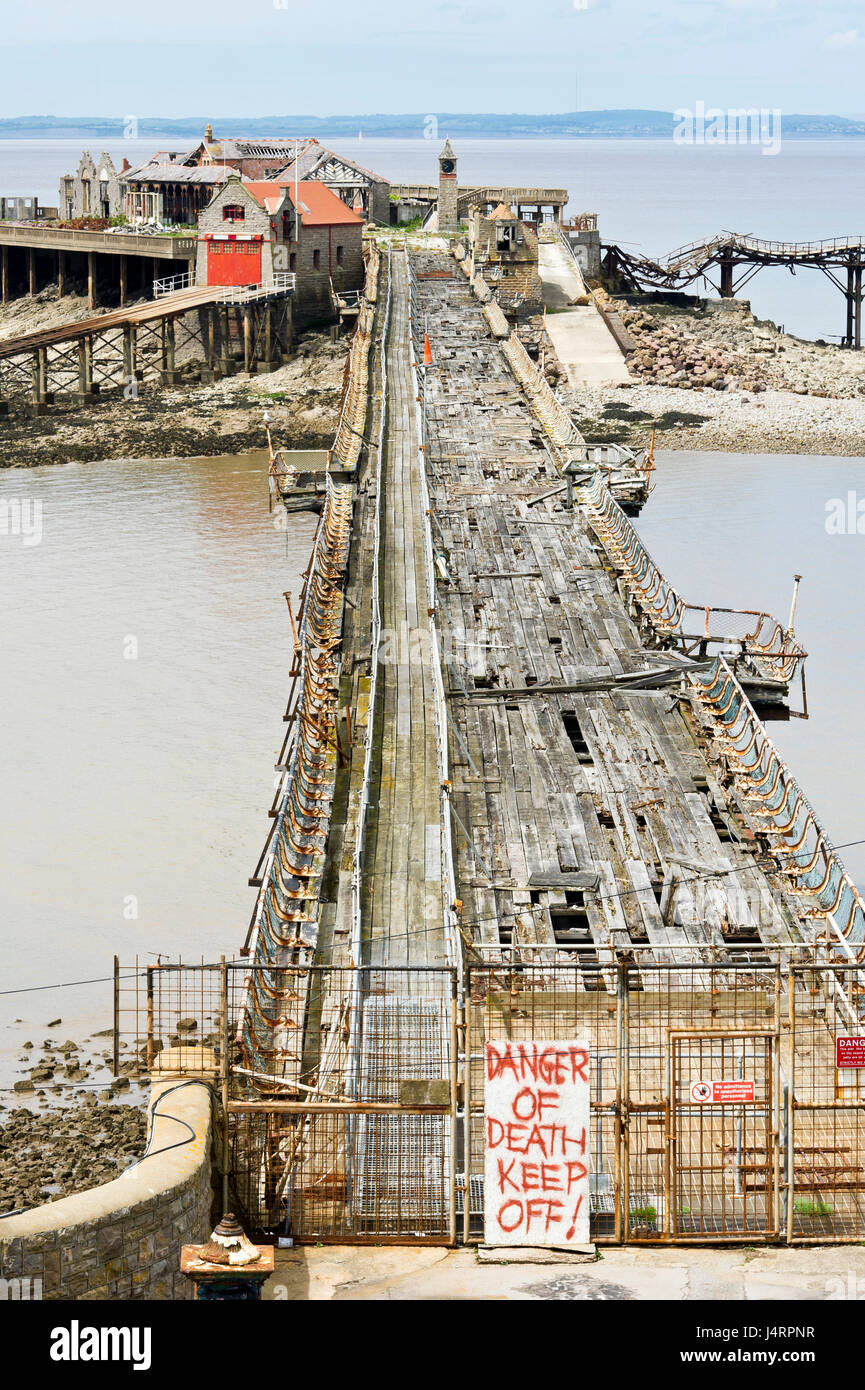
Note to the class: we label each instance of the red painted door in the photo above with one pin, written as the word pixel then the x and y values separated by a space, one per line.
pixel 234 262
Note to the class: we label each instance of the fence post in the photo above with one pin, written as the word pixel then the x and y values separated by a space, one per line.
pixel 223 1075
pixel 621 974
pixel 454 1069
pixel 467 1106
pixel 791 1107
pixel 116 1015
pixel 149 1053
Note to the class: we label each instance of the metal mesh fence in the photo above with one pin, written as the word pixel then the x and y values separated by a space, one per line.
pixel 727 1099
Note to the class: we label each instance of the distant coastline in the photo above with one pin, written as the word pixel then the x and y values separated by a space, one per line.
pixel 598 125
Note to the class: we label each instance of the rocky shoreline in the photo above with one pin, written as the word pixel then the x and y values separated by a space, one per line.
pixel 721 380
pixel 186 421
pixel 45 1157
pixel 72 1121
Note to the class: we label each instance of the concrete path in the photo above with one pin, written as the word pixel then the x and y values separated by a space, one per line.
pixel 352 1273
pixel 584 345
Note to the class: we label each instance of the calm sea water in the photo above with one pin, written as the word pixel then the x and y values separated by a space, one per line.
pixel 651 195
pixel 144 671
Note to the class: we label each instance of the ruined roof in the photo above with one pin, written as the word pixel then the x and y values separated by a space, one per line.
pixel 502 214
pixel 314 156
pixel 177 173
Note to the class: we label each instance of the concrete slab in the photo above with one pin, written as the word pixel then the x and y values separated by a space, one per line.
pixel 429 1273
pixel 584 345
pixel 536 1255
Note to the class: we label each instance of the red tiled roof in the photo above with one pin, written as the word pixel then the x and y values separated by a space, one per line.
pixel 319 207
pixel 268 194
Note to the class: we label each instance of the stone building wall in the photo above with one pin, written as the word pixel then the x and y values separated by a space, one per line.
pixel 86 194
pixel 312 296
pixel 122 1240
pixel 256 222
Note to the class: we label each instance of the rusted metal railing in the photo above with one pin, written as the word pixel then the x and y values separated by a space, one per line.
pixel 781 815
pixel 754 637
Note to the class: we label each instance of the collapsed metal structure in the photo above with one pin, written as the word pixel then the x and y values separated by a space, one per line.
pixel 730 252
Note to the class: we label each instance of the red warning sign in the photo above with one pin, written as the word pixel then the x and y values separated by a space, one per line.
pixel 849 1052
pixel 732 1091
pixel 721 1092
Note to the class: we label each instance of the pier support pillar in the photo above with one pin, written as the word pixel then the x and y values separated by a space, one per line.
pixel 124 281
pixel 853 296
pixel 92 287
pixel 157 273
pixel 41 397
pixel 84 394
pixel 130 360
pixel 31 271
pixel 726 279
pixel 227 361
pixel 269 360
pixel 4 274
pixel 248 351
pixel 168 373
pixel 61 274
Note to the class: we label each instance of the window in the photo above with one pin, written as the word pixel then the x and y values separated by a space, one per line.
pixel 316 260
pixel 232 212
pixel 339 255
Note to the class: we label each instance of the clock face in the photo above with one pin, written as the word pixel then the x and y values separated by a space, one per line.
pixel 447 166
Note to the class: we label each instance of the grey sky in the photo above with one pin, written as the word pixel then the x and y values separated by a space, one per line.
pixel 182 57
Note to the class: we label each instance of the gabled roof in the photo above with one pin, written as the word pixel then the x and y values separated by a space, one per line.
pixel 319 207
pixel 268 194
pixel 313 156
pixel 502 214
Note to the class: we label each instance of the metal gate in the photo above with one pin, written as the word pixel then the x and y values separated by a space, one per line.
pixel 669 1161
pixel 723 1149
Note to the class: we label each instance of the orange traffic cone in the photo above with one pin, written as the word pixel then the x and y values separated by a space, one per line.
pixel 427 351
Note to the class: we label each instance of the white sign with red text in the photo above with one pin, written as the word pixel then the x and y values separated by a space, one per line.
pixel 536 1165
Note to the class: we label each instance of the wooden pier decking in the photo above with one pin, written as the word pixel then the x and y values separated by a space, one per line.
pixel 591 808
pixel 402 891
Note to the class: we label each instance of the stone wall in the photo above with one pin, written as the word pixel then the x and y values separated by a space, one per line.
pixel 87 194
pixel 122 1240
pixel 312 297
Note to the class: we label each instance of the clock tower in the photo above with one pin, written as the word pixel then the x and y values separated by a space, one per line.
pixel 448 218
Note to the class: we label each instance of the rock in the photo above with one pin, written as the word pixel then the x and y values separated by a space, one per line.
pixel 187 1025
pixel 25 1085
pixel 55 1023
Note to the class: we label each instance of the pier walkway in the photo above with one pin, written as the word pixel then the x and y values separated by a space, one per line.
pixel 403 895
